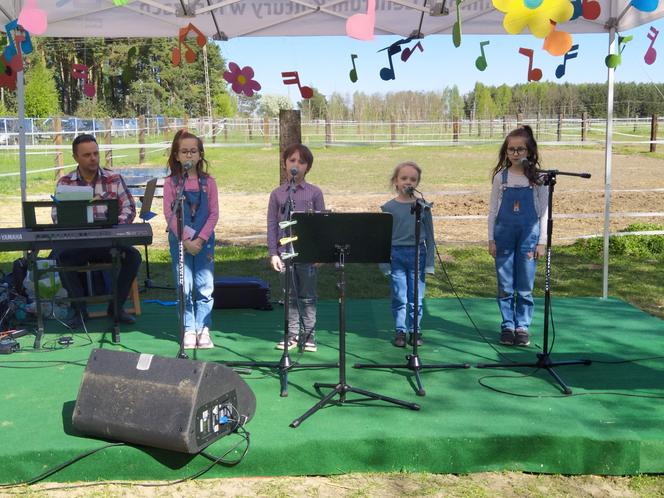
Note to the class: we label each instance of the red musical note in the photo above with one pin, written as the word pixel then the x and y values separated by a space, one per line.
pixel 361 26
pixel 353 72
pixel 292 78
pixel 80 72
pixel 651 53
pixel 7 74
pixel 190 55
pixel 407 52
pixel 589 9
pixel 534 74
pixel 387 73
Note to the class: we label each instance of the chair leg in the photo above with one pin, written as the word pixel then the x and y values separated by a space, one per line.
pixel 135 298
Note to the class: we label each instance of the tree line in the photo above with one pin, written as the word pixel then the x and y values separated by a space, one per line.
pixel 136 77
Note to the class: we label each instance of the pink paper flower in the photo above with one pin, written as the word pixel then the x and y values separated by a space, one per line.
pixel 241 80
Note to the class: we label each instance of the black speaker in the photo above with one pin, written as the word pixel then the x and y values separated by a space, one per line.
pixel 174 404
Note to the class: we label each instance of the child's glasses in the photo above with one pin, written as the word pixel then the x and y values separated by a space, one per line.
pixel 516 150
pixel 191 152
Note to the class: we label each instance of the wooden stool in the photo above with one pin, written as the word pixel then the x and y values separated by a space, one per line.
pixel 135 298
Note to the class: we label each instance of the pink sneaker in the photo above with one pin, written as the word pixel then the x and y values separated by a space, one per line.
pixel 190 339
pixel 203 339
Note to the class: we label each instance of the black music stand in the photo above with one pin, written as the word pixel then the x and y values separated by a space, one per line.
pixel 343 238
pixel 413 361
pixel 544 358
pixel 146 215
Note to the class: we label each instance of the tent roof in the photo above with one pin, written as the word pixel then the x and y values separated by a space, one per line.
pixel 233 18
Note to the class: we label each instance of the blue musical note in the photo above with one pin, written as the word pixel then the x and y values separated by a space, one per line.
pixel 10 50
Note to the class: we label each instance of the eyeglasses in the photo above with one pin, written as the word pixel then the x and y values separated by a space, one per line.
pixel 516 150
pixel 191 152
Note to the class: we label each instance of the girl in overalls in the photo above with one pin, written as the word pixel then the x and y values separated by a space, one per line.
pixel 517 231
pixel 201 212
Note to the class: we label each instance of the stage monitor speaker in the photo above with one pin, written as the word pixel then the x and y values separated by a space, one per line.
pixel 174 404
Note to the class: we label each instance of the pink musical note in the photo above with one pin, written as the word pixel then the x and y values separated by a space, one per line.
pixel 190 55
pixel 387 73
pixel 293 78
pixel 361 26
pixel 80 72
pixel 651 53
pixel 407 52
pixel 353 72
pixel 32 18
pixel 534 74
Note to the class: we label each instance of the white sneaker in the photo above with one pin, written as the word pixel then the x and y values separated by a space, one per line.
pixel 190 339
pixel 203 339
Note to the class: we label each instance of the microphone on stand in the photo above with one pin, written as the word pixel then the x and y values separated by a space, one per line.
pixel 293 171
pixel 409 190
pixel 187 166
pixel 525 162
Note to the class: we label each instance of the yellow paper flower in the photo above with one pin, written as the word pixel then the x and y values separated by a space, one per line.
pixel 536 14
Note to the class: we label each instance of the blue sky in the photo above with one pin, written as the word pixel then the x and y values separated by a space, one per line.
pixel 325 62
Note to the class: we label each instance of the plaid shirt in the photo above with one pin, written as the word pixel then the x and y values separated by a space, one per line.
pixel 107 185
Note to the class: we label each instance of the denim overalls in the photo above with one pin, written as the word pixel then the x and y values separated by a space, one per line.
pixel 516 234
pixel 199 269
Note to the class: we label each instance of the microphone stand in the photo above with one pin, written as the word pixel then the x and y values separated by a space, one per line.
pixel 285 364
pixel 544 358
pixel 178 210
pixel 413 360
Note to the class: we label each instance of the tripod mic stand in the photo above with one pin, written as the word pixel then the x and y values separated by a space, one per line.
pixel 285 364
pixel 178 210
pixel 544 358
pixel 317 233
pixel 413 360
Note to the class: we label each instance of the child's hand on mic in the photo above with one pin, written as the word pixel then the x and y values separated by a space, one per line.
pixel 277 263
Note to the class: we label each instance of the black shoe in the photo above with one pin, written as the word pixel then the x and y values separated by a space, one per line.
pixel 507 337
pixel 419 339
pixel 123 316
pixel 400 340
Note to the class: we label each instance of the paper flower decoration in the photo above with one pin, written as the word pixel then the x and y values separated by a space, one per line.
pixel 241 80
pixel 535 14
pixel 645 5
pixel 32 18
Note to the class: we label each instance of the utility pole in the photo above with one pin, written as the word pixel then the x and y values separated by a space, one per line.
pixel 208 100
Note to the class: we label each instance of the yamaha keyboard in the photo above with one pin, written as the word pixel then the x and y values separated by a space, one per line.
pixel 27 239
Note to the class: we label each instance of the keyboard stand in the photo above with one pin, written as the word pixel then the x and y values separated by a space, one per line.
pixel 36 274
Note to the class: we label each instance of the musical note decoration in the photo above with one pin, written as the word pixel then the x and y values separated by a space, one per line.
pixel 536 15
pixel 651 53
pixel 190 55
pixel 456 29
pixel 481 62
pixel 588 9
pixel 32 18
pixel 242 80
pixel 361 26
pixel 572 54
pixel 7 73
pixel 407 52
pixel 387 73
pixel 352 74
pixel 293 78
pixel 80 72
pixel 612 61
pixel 120 3
pixel 534 74
pixel 645 5
pixel 557 43
pixel 19 43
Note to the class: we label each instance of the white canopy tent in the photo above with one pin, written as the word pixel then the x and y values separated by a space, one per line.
pixel 223 19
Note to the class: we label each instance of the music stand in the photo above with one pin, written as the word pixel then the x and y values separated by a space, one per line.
pixel 146 215
pixel 343 238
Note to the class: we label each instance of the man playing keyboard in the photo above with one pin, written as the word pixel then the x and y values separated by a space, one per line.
pixel 106 185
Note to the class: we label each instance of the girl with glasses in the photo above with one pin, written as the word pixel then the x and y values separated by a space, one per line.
pixel 201 212
pixel 517 231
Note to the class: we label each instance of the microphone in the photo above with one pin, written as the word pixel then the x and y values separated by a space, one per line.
pixel 525 162
pixel 294 172
pixel 409 190
pixel 188 165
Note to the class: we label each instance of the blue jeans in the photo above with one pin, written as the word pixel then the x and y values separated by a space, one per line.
pixel 198 285
pixel 515 270
pixel 402 274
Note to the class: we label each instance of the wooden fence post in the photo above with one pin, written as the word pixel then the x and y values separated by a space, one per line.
pixel 141 139
pixel 653 133
pixel 108 156
pixel 559 131
pixel 393 133
pixel 519 119
pixel 504 126
pixel 57 138
pixel 328 133
pixel 456 129
pixel 584 126
pixel 290 132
